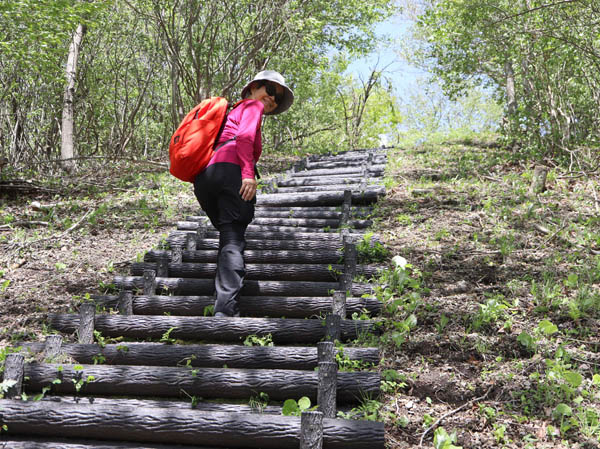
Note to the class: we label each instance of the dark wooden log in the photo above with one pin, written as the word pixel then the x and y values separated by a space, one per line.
pixel 375 170
pixel 254 256
pixel 85 331
pixel 282 271
pixel 327 391
pixel 290 222
pixel 56 443
pixel 283 331
pixel 346 163
pixel 162 264
pixel 346 206
pixel 320 198
pixel 229 383
pixel 253 306
pixel 177 249
pixel 125 302
pixel 210 356
pixel 328 187
pixel 184 403
pixel 14 365
pixel 311 430
pixel 270 244
pixel 188 427
pixel 287 234
pixel 188 286
pixel 319 181
pixel 52 347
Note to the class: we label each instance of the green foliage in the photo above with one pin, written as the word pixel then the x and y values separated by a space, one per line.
pixel 371 251
pixel 293 408
pixel 443 440
pixel 255 340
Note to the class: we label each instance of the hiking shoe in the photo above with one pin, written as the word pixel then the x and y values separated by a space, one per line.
pixel 221 315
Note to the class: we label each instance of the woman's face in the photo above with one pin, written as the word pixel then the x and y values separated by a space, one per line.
pixel 262 94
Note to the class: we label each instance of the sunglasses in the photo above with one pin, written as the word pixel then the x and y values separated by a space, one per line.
pixel 271 89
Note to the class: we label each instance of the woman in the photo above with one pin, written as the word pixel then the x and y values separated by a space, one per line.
pixel 226 189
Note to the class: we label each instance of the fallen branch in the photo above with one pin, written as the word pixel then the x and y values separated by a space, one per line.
pixel 25 224
pixel 450 413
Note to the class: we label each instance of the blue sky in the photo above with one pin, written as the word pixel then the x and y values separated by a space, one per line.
pixel 402 74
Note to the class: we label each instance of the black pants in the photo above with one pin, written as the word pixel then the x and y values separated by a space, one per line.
pixel 217 189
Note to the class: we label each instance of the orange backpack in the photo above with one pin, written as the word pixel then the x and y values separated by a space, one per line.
pixel 192 144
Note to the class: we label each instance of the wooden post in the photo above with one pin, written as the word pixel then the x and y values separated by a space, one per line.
pixel 85 332
pixel 52 347
pixel 350 257
pixel 333 327
pixel 326 396
pixel 125 303
pixel 14 367
pixel 311 430
pixel 339 303
pixel 346 208
pixel 149 282
pixel 190 241
pixel 325 351
pixel 162 266
pixel 538 183
pixel 200 233
pixel 177 254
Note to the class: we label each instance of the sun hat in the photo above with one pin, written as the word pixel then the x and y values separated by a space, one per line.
pixel 275 77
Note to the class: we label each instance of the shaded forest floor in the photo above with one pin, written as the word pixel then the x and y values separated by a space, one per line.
pixel 493 334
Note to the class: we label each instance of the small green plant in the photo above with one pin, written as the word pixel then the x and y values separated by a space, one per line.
pixel 79 381
pixel 443 440
pixel 255 340
pixel 369 251
pixel 441 325
pixel 166 337
pixel 345 363
pixel 392 381
pixel 6 385
pixel 293 408
pixel 209 310
pixel 259 402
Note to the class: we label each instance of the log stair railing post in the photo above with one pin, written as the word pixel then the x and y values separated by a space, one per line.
pixel 162 266
pixel 350 260
pixel 366 172
pixel 176 254
pixel 190 241
pixel 345 220
pixel 149 282
pixel 339 303
pixel 327 391
pixel 125 302
pixel 85 331
pixel 52 347
pixel 333 327
pixel 325 351
pixel 14 367
pixel 200 235
pixel 311 430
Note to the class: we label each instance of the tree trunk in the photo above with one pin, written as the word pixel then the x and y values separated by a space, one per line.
pixel 67 148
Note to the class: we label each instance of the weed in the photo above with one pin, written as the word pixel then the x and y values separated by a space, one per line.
pixel 255 340
pixel 293 408
pixel 369 251
pixel 166 337
pixel 259 402
pixel 443 440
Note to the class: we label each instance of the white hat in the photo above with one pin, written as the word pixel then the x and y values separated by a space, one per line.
pixel 275 77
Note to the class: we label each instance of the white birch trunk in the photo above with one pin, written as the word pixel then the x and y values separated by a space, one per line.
pixel 67 148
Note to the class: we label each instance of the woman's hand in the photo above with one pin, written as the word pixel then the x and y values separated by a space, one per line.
pixel 248 189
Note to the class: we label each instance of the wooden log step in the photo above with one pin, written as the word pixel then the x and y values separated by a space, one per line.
pixel 250 306
pixel 326 188
pixel 320 198
pixel 56 443
pixel 320 181
pixel 225 383
pixel 180 236
pixel 205 356
pixel 347 163
pixel 187 427
pixel 193 286
pixel 184 403
pixel 253 256
pixel 296 223
pixel 266 272
pixel 374 170
pixel 283 331
pixel 177 238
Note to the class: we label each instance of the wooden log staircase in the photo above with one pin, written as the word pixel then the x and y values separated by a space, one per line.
pixel 152 368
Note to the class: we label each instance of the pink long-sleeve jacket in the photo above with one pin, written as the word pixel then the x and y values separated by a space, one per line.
pixel 243 124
